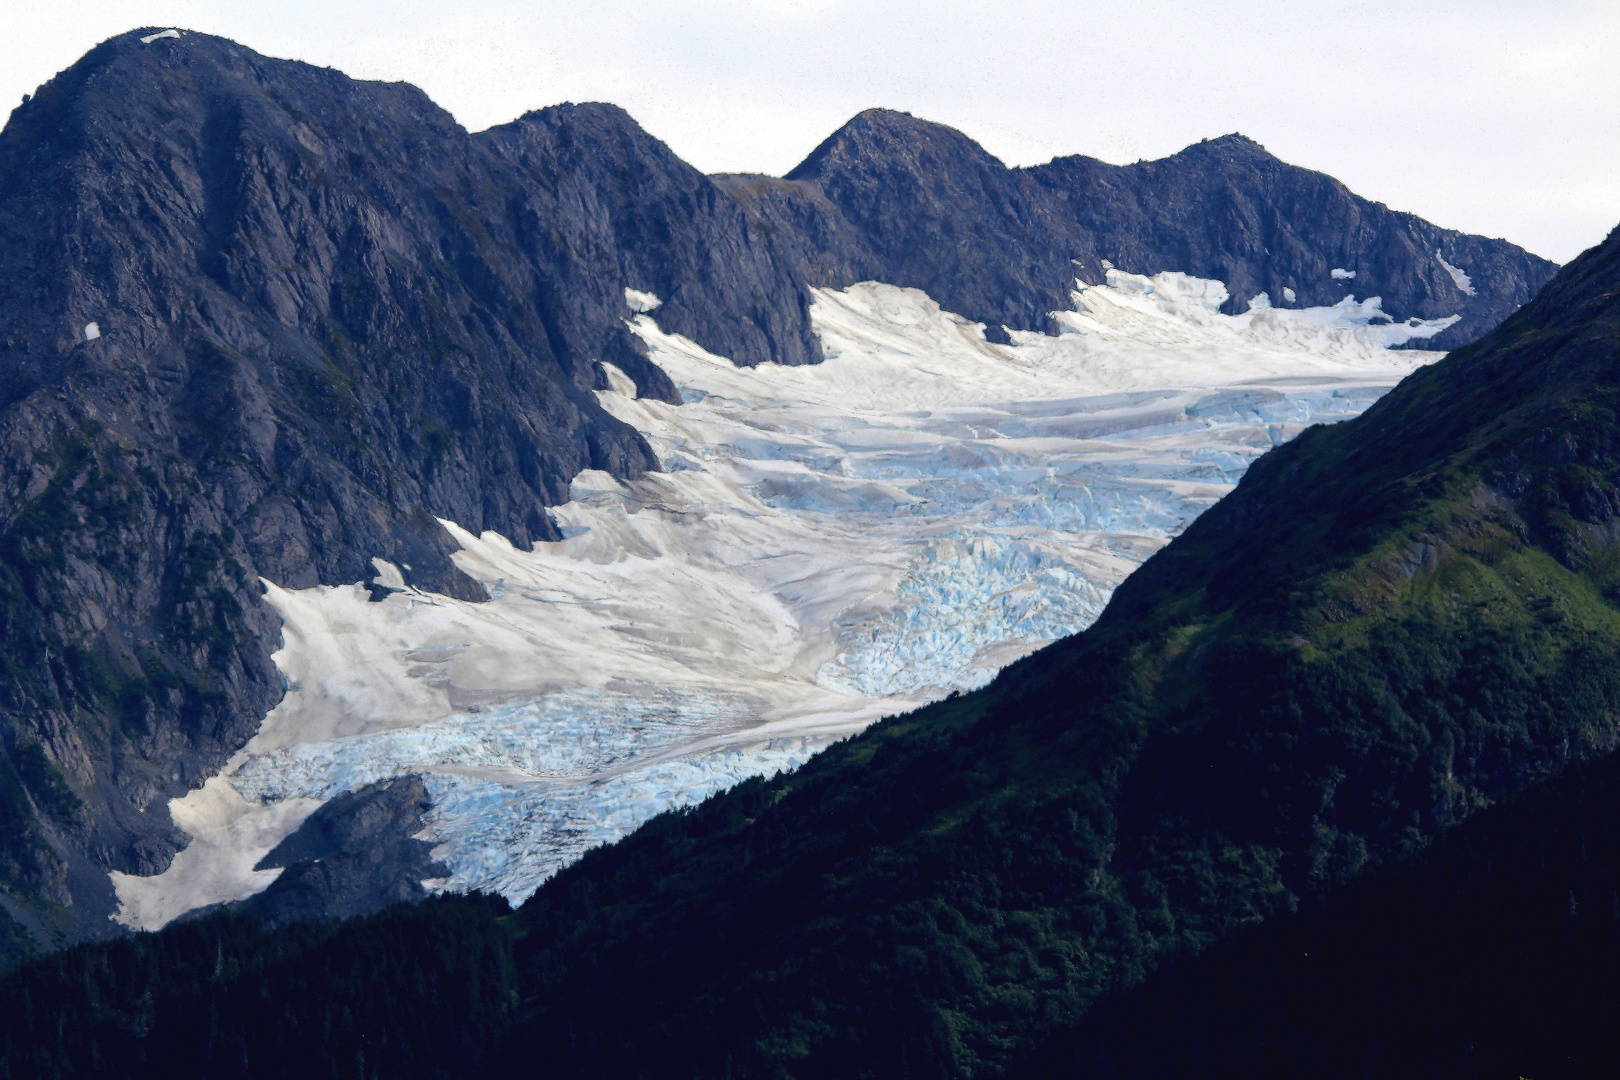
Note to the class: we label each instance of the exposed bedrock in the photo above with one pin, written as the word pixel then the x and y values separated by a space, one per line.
pixel 321 321
pixel 352 856
pixel 919 204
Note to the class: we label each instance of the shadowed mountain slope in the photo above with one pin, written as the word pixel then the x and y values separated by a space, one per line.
pixel 1495 952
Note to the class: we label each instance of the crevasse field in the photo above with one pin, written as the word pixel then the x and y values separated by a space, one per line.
pixel 826 545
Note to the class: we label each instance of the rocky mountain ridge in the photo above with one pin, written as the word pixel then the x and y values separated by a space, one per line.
pixel 919 204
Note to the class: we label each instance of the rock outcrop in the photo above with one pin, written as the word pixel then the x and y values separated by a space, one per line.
pixel 354 855
pixel 920 204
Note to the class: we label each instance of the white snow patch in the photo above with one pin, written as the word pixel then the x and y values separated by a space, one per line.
pixel 1341 274
pixel 619 382
pixel 1289 295
pixel 827 544
pixel 230 835
pixel 149 38
pixel 640 302
pixel 1460 279
pixel 91 331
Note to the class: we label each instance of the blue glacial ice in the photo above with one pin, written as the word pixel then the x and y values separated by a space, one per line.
pixel 826 545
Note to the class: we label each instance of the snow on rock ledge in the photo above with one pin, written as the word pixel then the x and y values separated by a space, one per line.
pixel 827 544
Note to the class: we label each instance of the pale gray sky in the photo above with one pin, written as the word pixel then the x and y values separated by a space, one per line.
pixel 1495 118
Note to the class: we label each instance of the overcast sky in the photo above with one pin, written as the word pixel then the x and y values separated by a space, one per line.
pixel 1495 118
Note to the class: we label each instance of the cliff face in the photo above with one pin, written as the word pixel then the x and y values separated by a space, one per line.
pixel 931 209
pixel 604 205
pixel 260 320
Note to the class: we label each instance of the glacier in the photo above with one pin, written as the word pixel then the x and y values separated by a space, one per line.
pixel 825 545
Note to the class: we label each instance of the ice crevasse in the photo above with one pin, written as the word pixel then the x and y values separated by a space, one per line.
pixel 825 545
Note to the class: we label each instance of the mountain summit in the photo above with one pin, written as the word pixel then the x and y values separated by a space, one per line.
pixel 919 194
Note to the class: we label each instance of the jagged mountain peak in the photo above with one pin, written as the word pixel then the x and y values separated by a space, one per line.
pixel 603 114
pixel 1221 151
pixel 1234 142
pixel 886 139
pixel 595 129
pixel 918 194
pixel 150 54
pixel 1232 156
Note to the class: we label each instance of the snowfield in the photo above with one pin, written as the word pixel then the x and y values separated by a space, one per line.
pixel 827 545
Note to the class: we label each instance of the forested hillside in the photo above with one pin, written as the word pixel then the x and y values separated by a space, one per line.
pixel 423 991
pixel 1493 953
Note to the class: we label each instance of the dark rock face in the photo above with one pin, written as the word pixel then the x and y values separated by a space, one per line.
pixel 351 857
pixel 927 207
pixel 1226 209
pixel 326 316
pixel 605 205
pixel 935 207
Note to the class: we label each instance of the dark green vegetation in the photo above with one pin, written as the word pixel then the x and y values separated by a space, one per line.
pixel 419 991
pixel 1392 623
pixel 1494 953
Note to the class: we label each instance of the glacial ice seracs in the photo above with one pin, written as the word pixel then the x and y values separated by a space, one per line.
pixel 826 545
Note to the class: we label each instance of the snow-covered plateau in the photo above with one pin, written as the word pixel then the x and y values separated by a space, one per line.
pixel 826 545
